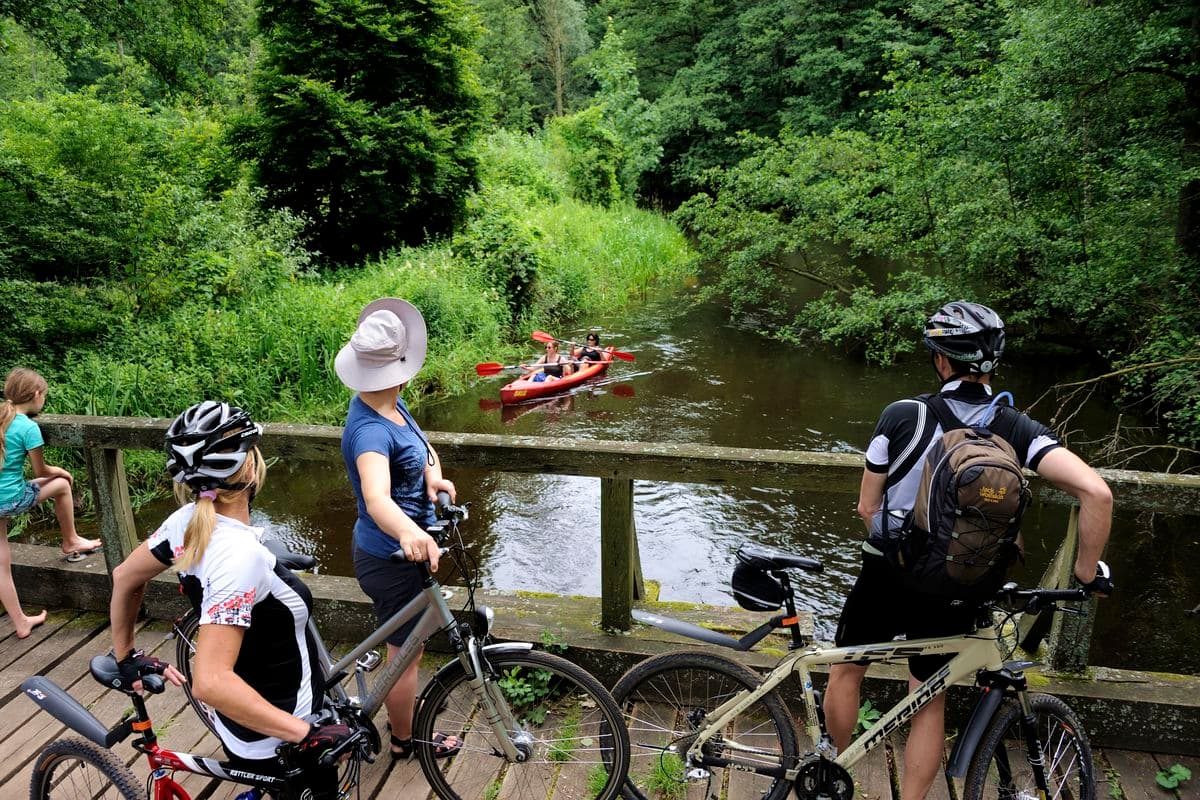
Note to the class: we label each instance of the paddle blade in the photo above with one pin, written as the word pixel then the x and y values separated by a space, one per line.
pixel 489 368
pixel 488 404
pixel 622 355
pixel 542 336
pixel 622 390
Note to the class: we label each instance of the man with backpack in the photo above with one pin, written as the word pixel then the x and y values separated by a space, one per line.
pixel 942 496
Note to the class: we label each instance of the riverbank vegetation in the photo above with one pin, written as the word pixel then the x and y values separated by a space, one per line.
pixel 168 190
pixel 1043 157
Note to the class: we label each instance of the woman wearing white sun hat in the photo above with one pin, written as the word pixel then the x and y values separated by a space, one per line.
pixel 396 475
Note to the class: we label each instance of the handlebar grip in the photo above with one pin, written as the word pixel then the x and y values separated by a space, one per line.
pixel 328 758
pixel 443 499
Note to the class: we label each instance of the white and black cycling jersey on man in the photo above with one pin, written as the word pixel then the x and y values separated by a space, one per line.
pixel 239 583
pixel 908 429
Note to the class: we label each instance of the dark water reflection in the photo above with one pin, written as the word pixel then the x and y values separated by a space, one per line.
pixel 699 379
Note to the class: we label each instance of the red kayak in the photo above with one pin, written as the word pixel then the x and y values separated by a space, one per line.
pixel 522 389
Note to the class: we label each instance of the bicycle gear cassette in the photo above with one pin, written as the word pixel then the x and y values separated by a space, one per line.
pixel 822 779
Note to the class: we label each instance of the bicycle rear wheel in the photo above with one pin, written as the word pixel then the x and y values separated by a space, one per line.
pixel 185 650
pixel 1000 767
pixel 76 769
pixel 666 700
pixel 569 727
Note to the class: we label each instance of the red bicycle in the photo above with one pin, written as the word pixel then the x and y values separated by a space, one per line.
pixel 87 768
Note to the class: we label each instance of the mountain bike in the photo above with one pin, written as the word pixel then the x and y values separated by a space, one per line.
pixel 699 717
pixel 530 724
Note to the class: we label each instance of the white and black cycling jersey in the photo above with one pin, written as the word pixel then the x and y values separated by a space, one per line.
pixel 907 429
pixel 239 583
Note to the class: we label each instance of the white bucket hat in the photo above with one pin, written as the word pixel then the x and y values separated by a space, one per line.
pixel 386 350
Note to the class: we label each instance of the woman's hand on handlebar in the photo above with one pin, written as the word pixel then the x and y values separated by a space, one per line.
pixel 432 487
pixel 420 546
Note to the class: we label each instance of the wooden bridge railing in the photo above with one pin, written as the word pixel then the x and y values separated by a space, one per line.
pixel 617 465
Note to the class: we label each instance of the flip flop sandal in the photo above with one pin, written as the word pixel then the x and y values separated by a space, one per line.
pixel 79 555
pixel 440 749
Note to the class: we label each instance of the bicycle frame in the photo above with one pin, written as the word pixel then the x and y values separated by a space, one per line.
pixel 981 650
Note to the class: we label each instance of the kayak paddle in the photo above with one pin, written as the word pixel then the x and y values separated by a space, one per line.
pixel 542 336
pixel 495 367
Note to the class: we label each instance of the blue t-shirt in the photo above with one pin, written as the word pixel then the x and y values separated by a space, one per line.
pixel 407 453
pixel 21 436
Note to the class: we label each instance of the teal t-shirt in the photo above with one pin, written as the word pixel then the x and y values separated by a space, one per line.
pixel 22 435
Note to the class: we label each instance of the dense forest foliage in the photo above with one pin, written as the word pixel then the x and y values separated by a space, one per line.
pixel 169 170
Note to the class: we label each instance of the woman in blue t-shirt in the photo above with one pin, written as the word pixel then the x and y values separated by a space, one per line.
pixel 396 476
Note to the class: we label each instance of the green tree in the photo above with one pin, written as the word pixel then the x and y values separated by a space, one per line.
pixel 508 46
pixel 364 119
pixel 630 116
pixel 562 31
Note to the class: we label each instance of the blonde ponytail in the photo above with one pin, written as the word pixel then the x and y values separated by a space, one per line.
pixel 200 527
pixel 19 387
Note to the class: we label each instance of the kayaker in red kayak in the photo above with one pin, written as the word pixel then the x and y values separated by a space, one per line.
pixel 551 366
pixel 590 350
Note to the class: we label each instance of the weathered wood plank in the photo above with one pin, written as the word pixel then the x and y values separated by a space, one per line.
pixel 677 462
pixel 617 535
pixel 1190 788
pixel 872 778
pixel 106 471
pixel 66 639
pixel 1135 772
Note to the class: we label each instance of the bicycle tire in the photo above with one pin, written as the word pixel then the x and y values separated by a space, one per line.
pixel 665 697
pixel 185 647
pixel 1067 754
pixel 76 768
pixel 578 747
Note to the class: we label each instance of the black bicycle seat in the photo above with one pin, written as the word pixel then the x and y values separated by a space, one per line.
pixel 768 558
pixel 293 561
pixel 104 670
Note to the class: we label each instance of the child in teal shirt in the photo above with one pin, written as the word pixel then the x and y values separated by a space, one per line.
pixel 24 397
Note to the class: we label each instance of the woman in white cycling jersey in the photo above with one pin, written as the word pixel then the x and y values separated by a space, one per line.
pixel 255 662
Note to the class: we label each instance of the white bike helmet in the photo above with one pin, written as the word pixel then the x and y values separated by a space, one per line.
pixel 208 444
pixel 969 334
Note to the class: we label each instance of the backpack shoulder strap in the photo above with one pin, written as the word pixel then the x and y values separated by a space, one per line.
pixel 1004 423
pixel 941 410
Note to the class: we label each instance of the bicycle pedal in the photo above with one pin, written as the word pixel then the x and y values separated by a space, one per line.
pixel 369 660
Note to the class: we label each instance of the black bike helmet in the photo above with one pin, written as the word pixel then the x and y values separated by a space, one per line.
pixel 208 444
pixel 969 334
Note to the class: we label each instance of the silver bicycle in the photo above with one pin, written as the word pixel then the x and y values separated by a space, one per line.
pixel 699 717
pixel 532 725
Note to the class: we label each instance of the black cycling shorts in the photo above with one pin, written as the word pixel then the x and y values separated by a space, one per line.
pixel 880 608
pixel 390 586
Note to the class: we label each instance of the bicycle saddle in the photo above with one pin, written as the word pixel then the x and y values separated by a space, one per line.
pixel 768 558
pixel 104 670
pixel 293 561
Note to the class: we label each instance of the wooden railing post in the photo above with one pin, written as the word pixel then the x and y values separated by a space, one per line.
pixel 106 469
pixel 620 565
pixel 1071 634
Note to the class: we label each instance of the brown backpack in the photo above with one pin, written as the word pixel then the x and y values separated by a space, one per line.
pixel 964 530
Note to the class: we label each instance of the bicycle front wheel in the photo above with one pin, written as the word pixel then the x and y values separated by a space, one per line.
pixel 185 651
pixel 666 701
pixel 1000 767
pixel 76 769
pixel 569 732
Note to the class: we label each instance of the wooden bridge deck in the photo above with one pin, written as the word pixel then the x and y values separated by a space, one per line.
pixel 62 647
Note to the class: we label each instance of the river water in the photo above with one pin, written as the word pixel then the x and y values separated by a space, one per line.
pixel 698 378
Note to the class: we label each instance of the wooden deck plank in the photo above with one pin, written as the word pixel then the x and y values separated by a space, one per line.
pixel 12 648
pixel 17 752
pixel 1135 771
pixel 940 790
pixel 67 640
pixel 872 778
pixel 650 726
pixel 1189 789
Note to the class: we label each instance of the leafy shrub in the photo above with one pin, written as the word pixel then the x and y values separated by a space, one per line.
pixel 502 244
pixel 45 319
pixel 591 153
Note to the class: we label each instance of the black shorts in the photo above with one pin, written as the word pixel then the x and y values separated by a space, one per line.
pixel 881 607
pixel 390 586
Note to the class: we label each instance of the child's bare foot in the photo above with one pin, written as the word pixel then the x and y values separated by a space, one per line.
pixel 77 548
pixel 26 628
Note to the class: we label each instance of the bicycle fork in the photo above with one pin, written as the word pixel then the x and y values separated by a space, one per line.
pixel 515 741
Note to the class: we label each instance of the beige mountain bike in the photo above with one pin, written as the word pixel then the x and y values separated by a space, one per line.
pixel 702 718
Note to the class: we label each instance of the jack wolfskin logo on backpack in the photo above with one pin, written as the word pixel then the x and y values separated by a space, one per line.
pixel 993 495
